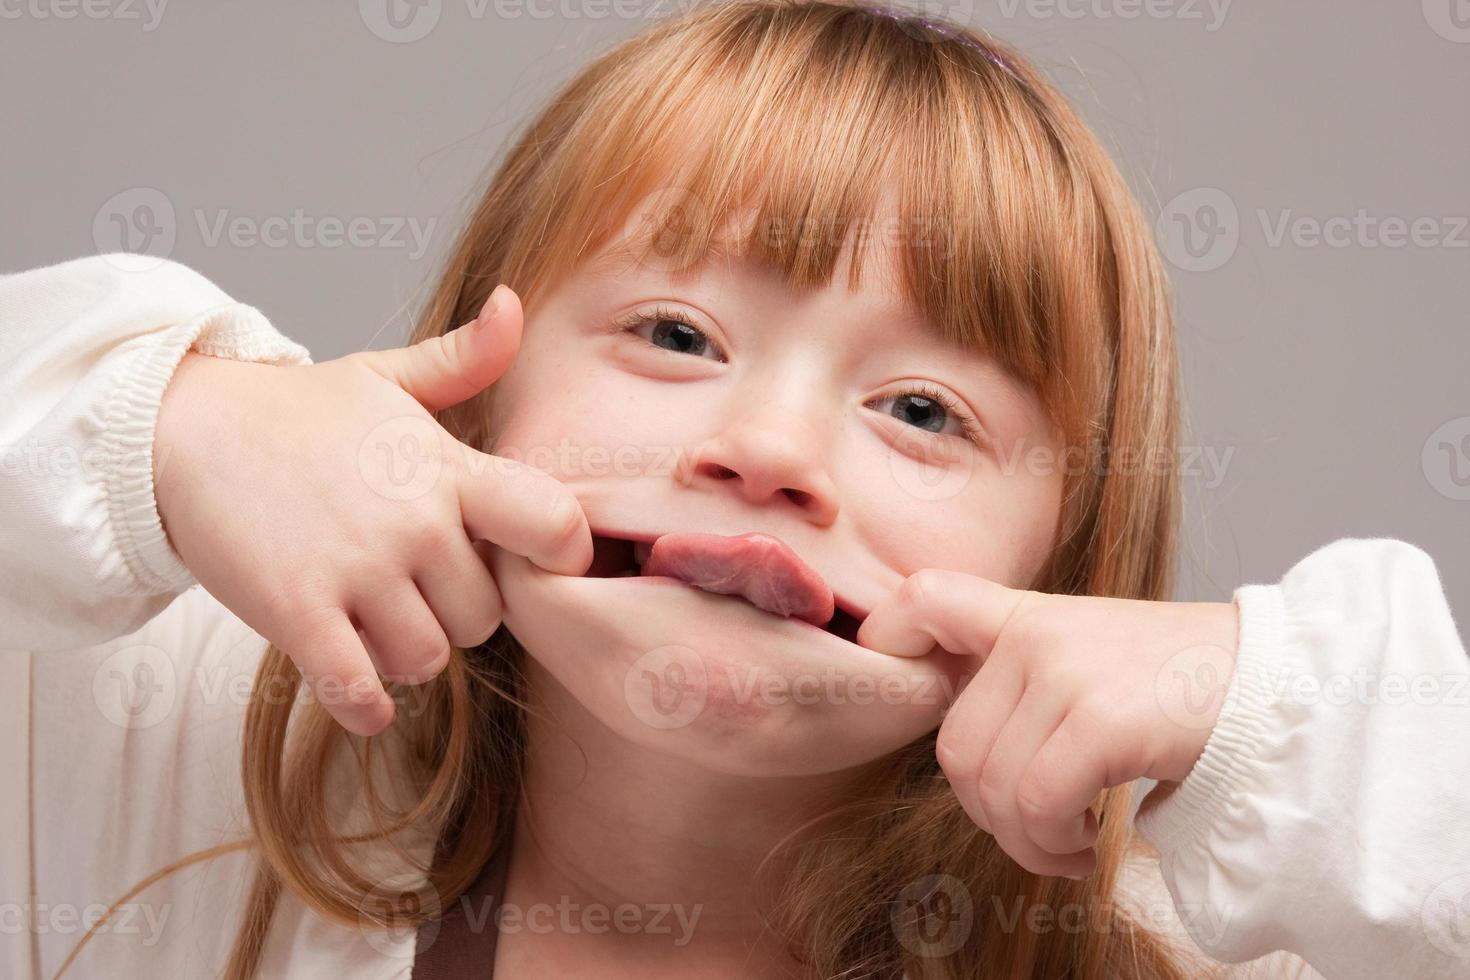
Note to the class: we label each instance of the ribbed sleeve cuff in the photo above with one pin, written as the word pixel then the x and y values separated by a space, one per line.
pixel 236 331
pixel 1231 762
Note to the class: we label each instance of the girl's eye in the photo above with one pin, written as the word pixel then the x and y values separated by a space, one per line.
pixel 923 406
pixel 671 330
pixel 927 407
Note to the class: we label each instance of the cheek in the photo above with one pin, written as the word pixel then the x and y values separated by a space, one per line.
pixel 577 419
pixel 980 519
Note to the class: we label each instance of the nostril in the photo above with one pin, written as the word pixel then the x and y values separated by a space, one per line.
pixel 722 472
pixel 798 497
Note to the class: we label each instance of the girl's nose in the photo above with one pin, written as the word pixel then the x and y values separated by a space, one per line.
pixel 766 461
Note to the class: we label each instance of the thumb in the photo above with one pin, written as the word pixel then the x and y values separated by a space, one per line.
pixel 445 370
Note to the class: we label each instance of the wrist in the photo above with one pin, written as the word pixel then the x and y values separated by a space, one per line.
pixel 191 398
pixel 1219 625
pixel 1206 649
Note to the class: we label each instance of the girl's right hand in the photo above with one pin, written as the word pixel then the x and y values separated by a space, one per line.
pixel 325 506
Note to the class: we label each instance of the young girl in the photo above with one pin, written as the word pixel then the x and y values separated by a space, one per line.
pixel 840 313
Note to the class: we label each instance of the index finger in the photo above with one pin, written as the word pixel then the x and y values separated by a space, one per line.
pixel 524 510
pixel 962 613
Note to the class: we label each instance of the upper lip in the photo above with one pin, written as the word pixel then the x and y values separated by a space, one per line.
pixel 842 601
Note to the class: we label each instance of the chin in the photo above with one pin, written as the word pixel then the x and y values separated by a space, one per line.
pixel 716 681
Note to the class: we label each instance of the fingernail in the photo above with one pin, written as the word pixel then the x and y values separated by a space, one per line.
pixel 487 312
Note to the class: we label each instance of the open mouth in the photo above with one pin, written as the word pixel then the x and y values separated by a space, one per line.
pixel 616 557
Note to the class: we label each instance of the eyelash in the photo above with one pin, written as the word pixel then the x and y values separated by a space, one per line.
pixel 639 317
pixel 968 425
pixel 924 389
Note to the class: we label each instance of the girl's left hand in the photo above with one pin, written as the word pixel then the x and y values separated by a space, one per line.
pixel 1071 695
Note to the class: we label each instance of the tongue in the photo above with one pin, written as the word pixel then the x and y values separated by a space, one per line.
pixel 758 566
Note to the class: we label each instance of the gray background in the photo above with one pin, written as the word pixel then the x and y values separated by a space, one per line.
pixel 1329 379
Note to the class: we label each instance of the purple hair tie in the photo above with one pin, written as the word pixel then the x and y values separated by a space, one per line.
pixel 946 29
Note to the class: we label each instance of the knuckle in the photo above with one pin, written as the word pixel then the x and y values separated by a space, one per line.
pixel 563 519
pixel 991 793
pixel 433 668
pixel 433 536
pixel 308 618
pixel 916 589
pixel 1097 716
pixel 428 655
pixel 488 626
pixel 491 613
pixel 1035 800
pixel 421 523
pixel 478 637
pixel 1052 673
pixel 436 354
pixel 1033 633
pixel 309 627
pixel 474 628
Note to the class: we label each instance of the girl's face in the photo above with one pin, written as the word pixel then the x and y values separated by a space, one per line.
pixel 718 400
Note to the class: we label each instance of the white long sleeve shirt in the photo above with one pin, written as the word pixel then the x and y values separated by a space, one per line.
pixel 1326 819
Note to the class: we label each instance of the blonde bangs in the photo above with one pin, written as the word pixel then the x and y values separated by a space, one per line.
pixel 786 129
